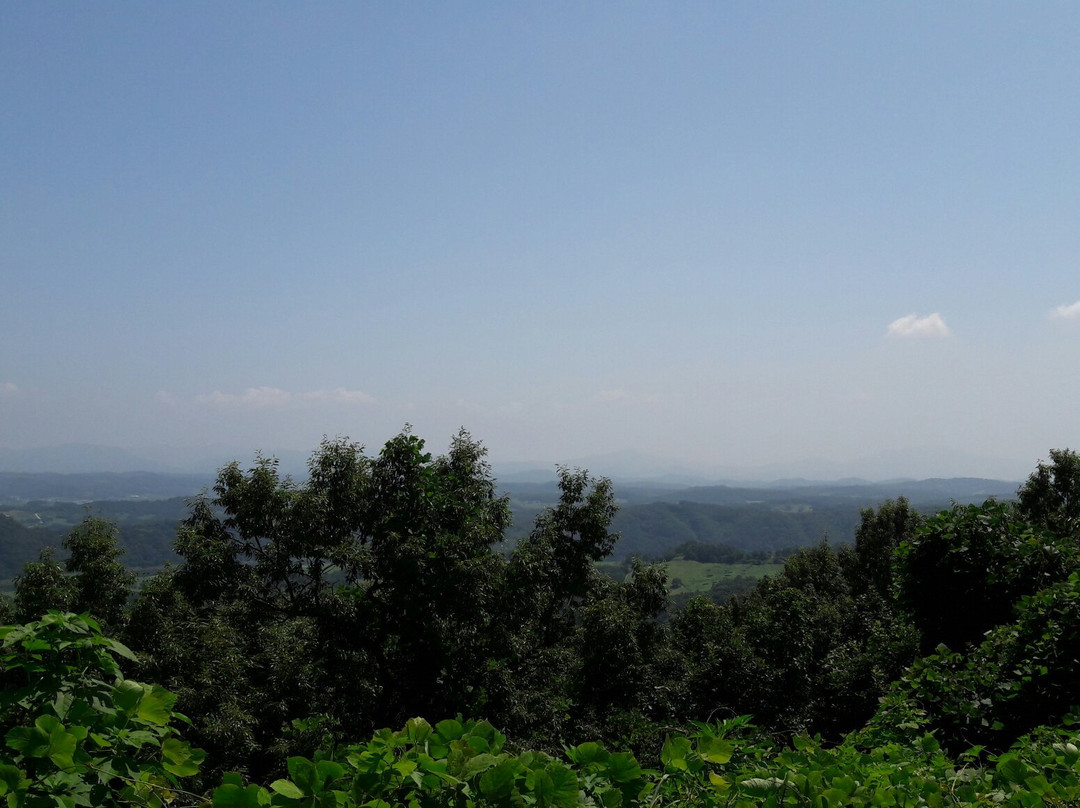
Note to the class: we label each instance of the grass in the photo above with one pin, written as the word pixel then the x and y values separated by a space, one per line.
pixel 697 576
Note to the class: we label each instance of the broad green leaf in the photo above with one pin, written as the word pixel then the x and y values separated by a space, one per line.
pixel 564 785
pixel 62 703
pixel 228 795
pixel 155 706
pixel 543 789
pixel 328 770
pixel 715 750
pixel 126 695
pixel 612 798
pixel 760 786
pixel 587 753
pixel 1012 768
pixel 287 789
pixel 450 730
pixel 417 730
pixel 11 778
pixel 302 772
pixel 62 746
pixel 180 759
pixel 835 796
pixel 30 741
pixel 845 784
pixel 674 753
pixel 498 783
pixel 623 767
pixel 479 763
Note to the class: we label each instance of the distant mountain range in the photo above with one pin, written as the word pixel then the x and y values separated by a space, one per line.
pixel 85 458
pixel 627 466
pixel 36 509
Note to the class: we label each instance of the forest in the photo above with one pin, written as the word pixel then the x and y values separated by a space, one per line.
pixel 368 637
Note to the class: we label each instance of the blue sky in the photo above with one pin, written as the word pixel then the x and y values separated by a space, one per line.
pixel 727 234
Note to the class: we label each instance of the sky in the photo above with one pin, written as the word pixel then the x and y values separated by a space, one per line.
pixel 720 235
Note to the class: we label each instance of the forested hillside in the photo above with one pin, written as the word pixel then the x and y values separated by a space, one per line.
pixel 18 544
pixel 652 519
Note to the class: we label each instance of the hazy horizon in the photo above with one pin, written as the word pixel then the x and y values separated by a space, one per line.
pixel 721 236
pixel 625 465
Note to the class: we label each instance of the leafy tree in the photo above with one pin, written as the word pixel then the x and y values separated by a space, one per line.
pixel 718 664
pixel 880 532
pixel 92 579
pixel 965 568
pixel 361 596
pixel 535 679
pixel 43 585
pixel 101 583
pixel 1051 496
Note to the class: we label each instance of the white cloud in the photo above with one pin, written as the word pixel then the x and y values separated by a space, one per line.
pixel 274 397
pixel 8 389
pixel 1071 312
pixel 932 325
pixel 339 396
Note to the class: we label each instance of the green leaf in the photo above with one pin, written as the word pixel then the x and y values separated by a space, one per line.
pixel 760 786
pixel 1012 768
pixel 929 744
pixel 30 741
pixel 328 771
pixel 674 753
pixel 180 759
pixel 479 763
pixel 612 798
pixel 302 772
pixel 417 730
pixel 715 750
pixel 155 706
pixel 623 768
pixel 564 785
pixel 11 778
pixel 450 730
pixel 228 795
pixel 587 753
pixel 126 695
pixel 498 783
pixel 233 795
pixel 287 789
pixel 542 788
pixel 62 746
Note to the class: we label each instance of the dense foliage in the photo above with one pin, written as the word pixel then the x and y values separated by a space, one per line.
pixel 77 733
pixel 931 656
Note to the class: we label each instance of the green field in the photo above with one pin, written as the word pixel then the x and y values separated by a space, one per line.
pixel 697 576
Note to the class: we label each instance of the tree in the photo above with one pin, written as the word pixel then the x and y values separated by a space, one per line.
pixel 965 568
pixel 42 586
pixel 880 532
pixel 360 596
pixel 92 579
pixel 1051 496
pixel 101 583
